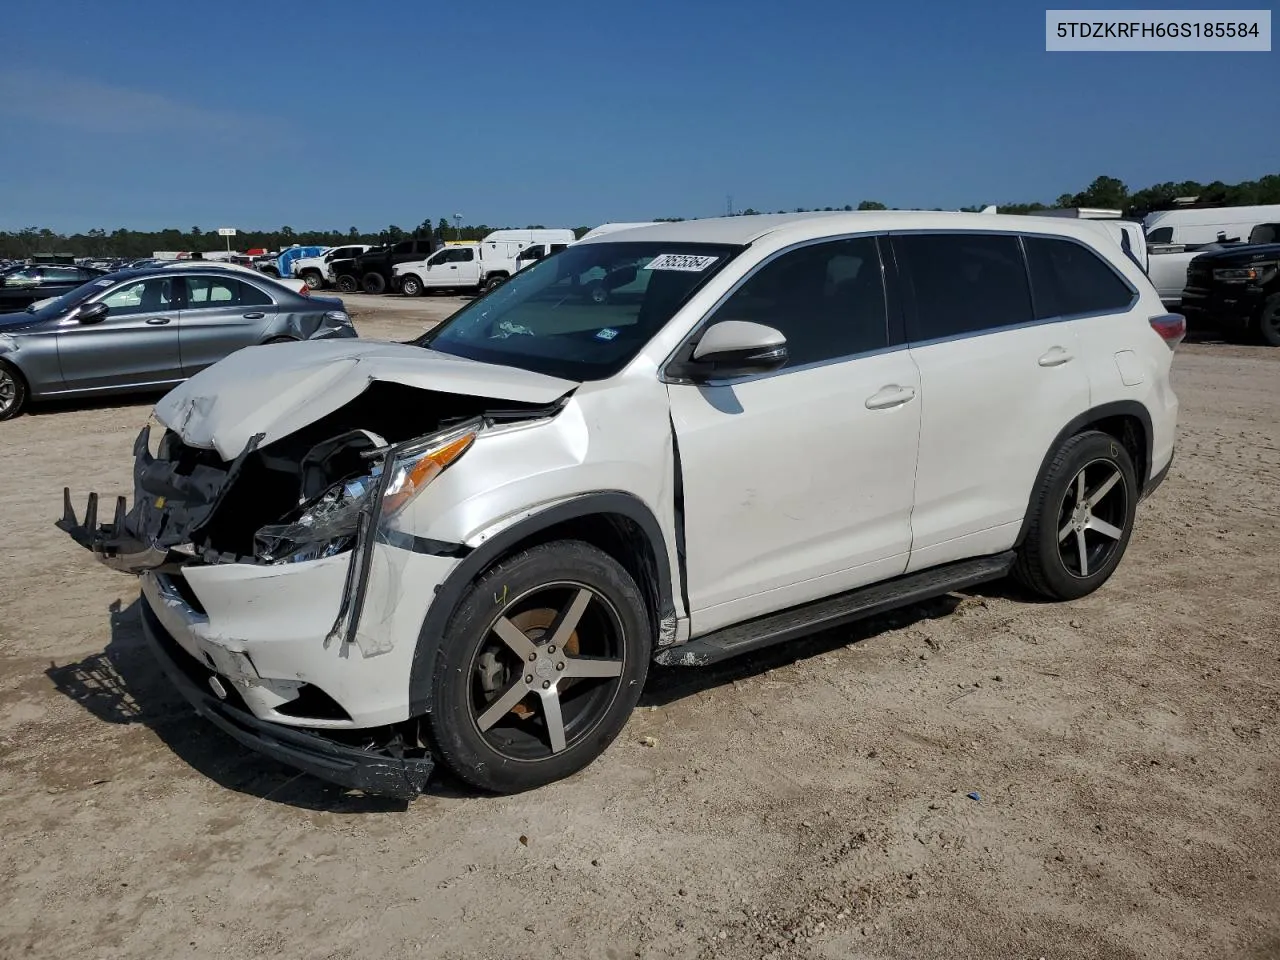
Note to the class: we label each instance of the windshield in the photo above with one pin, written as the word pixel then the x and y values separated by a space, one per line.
pixel 583 313
pixel 72 298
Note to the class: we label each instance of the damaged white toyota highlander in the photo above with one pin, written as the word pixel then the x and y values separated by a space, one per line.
pixel 675 443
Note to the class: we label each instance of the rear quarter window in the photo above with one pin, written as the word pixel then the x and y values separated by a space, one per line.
pixel 1069 279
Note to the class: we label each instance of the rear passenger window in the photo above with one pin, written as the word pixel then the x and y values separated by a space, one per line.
pixel 827 299
pixel 222 292
pixel 251 296
pixel 1160 235
pixel 963 283
pixel 1069 279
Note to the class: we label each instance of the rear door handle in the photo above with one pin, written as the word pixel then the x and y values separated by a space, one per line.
pixel 891 396
pixel 254 316
pixel 157 321
pixel 1056 357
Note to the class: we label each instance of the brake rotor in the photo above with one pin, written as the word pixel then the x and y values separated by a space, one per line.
pixel 534 624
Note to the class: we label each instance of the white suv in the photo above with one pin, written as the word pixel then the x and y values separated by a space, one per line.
pixel 363 558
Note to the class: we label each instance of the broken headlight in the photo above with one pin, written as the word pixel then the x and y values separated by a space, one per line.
pixel 327 525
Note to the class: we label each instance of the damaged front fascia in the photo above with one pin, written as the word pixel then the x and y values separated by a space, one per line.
pixel 168 508
pixel 356 588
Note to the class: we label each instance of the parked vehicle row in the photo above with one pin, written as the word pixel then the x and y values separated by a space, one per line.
pixel 673 444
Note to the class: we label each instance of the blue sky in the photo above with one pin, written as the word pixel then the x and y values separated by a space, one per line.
pixel 326 115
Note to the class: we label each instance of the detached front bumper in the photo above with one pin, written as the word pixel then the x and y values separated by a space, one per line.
pixel 374 770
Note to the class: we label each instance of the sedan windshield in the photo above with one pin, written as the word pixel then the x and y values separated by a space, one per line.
pixel 583 313
pixel 71 298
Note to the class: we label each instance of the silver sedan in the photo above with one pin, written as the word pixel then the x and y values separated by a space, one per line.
pixel 143 330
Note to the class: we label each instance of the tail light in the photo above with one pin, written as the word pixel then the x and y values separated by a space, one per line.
pixel 1172 328
pixel 305 291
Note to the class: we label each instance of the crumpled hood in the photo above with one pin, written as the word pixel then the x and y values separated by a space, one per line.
pixel 276 389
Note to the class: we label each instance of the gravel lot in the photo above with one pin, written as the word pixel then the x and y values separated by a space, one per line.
pixel 807 803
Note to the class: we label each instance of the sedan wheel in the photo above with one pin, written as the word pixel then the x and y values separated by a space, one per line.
pixel 13 393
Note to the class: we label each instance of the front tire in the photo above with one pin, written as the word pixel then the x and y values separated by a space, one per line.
pixel 313 279
pixel 410 285
pixel 1269 322
pixel 540 667
pixel 13 392
pixel 1081 518
pixel 346 283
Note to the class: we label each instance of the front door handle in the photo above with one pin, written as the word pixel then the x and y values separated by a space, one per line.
pixel 891 396
pixel 157 321
pixel 254 316
pixel 1056 357
pixel 453 266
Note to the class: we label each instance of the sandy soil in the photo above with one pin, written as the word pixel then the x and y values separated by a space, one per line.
pixel 814 802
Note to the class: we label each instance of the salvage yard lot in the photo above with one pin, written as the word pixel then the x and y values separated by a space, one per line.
pixel 1124 751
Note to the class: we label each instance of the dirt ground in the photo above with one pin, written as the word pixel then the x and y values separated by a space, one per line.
pixel 982 776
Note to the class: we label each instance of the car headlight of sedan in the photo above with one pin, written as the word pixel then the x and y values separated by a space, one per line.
pixel 328 524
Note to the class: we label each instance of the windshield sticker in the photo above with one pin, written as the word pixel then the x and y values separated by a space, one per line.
pixel 681 261
pixel 608 333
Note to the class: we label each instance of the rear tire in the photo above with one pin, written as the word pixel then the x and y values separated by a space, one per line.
pixel 13 392
pixel 374 283
pixel 1081 518
pixel 1269 322
pixel 346 283
pixel 492 283
pixel 410 285
pixel 511 709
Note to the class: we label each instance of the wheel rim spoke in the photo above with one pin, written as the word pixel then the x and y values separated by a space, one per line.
pixel 1065 531
pixel 569 619
pixel 590 667
pixel 555 721
pixel 514 638
pixel 502 706
pixel 1080 487
pixel 1103 490
pixel 1104 528
pixel 1083 549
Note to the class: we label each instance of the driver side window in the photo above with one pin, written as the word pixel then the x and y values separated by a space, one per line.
pixel 827 299
pixel 141 296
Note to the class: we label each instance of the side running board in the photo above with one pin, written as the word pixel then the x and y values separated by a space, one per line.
pixel 830 612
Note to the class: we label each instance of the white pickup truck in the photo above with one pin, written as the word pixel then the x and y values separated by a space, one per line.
pixel 458 266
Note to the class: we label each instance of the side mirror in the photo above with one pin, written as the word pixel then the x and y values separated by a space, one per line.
pixel 734 348
pixel 92 313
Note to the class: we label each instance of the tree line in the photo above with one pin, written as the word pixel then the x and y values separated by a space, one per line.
pixel 1104 191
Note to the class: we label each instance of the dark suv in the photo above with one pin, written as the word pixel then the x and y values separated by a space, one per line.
pixel 1237 290
pixel 371 272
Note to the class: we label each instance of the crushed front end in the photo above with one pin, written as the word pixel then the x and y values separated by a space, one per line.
pixel 281 591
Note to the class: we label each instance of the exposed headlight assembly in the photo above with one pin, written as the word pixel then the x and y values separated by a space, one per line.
pixel 331 523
